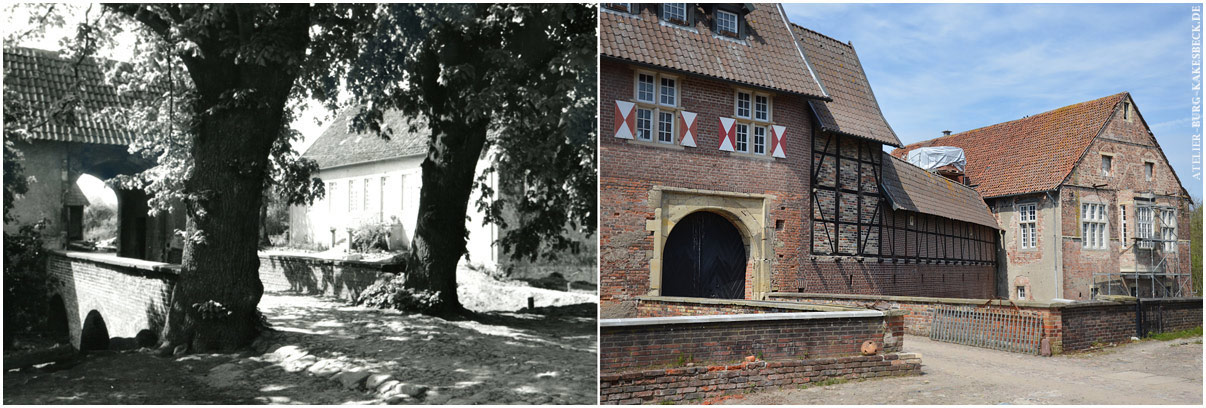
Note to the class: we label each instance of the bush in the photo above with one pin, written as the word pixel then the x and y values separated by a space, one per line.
pixel 26 283
pixel 368 237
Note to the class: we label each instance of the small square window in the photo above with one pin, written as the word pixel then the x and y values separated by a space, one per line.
pixel 743 105
pixel 1021 293
pixel 1106 163
pixel 675 13
pixel 726 23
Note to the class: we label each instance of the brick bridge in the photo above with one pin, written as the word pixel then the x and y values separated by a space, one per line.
pixel 102 301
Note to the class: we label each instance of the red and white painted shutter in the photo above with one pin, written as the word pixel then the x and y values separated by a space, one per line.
pixel 777 141
pixel 625 120
pixel 686 126
pixel 727 126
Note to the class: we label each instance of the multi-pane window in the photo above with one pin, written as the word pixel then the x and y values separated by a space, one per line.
pixel 1143 224
pixel 1106 163
pixel 625 7
pixel 381 197
pixel 743 137
pixel 1168 229
pixel 665 127
pixel 1093 225
pixel 1122 224
pixel 726 23
pixel 331 197
pixel 351 196
pixel 675 12
pixel 761 107
pixel 759 139
pixel 1021 293
pixel 644 124
pixel 669 93
pixel 366 195
pixel 1028 225
pixel 743 105
pixel 645 87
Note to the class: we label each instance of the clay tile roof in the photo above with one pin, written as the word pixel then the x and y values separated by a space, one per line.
pixel 911 188
pixel 338 147
pixel 42 78
pixel 853 110
pixel 768 57
pixel 1031 154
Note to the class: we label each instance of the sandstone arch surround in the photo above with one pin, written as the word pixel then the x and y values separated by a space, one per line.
pixel 747 211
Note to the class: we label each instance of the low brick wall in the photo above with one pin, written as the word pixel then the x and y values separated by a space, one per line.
pixel 318 276
pixel 666 306
pixel 1066 326
pixel 124 298
pixel 692 384
pixel 711 338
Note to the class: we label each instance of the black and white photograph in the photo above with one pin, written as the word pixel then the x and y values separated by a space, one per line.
pixel 300 204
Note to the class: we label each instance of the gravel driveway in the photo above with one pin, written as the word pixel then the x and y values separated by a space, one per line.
pixel 1147 372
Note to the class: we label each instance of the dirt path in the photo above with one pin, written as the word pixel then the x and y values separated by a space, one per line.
pixel 1148 372
pixel 321 347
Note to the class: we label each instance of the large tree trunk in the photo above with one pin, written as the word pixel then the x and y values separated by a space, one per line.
pixel 439 239
pixel 213 305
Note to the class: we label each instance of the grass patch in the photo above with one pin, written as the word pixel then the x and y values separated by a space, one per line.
pixel 1180 334
pixel 825 382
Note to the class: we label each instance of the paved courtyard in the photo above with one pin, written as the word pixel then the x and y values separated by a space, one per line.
pixel 1147 372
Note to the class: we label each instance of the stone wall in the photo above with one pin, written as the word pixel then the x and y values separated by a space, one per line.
pixel 318 276
pixel 691 385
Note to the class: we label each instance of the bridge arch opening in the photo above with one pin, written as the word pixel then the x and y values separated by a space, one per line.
pixel 58 327
pixel 95 334
pixel 705 255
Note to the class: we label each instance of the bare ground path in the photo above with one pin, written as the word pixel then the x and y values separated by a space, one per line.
pixel 498 356
pixel 1147 372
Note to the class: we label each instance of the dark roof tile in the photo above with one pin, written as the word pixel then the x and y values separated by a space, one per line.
pixel 911 188
pixel 339 147
pixel 853 110
pixel 42 79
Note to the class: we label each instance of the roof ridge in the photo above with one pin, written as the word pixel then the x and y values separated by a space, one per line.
pixel 1030 117
pixel 943 178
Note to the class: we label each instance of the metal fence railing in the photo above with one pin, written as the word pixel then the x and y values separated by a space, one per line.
pixel 1002 329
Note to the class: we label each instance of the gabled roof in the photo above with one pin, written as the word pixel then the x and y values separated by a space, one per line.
pixel 339 147
pixel 853 110
pixel 768 57
pixel 911 188
pixel 1031 154
pixel 42 79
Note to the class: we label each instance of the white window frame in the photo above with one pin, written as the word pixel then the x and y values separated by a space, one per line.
pixel 1168 228
pixel 665 130
pixel 651 130
pixel 668 8
pixel 644 126
pixel 351 195
pixel 766 111
pixel 661 90
pixel 1145 225
pixel 740 145
pixel 1122 224
pixel 721 17
pixel 1021 292
pixel 755 143
pixel 749 104
pixel 1094 226
pixel 1028 226
pixel 653 84
pixel 752 121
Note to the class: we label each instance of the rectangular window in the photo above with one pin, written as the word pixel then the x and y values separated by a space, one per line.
pixel 644 124
pixel 726 23
pixel 1106 164
pixel 1143 223
pixel 331 197
pixel 1168 229
pixel 351 196
pixel 759 139
pixel 1021 293
pixel 1028 226
pixel 382 195
pixel 665 127
pixel 669 92
pixel 1126 111
pixel 743 105
pixel 624 7
pixel 1122 224
pixel 743 137
pixel 675 13
pixel 1093 226
pixel 1147 170
pixel 366 195
pixel 645 88
pixel 761 107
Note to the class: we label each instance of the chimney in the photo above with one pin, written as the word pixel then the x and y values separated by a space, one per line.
pixel 946 133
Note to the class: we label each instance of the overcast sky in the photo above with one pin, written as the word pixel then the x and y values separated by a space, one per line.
pixel 958 67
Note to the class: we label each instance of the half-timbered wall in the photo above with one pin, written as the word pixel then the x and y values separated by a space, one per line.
pixel 846 201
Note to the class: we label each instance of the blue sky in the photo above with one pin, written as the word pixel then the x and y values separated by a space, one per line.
pixel 957 67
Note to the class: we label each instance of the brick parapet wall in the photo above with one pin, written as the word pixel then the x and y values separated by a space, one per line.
pixel 627 344
pixel 666 306
pixel 692 384
pixel 342 279
pixel 130 295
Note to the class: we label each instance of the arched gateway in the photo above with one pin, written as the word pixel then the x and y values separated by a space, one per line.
pixel 704 257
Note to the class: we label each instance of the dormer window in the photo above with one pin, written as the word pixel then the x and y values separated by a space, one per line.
pixel 675 13
pixel 621 7
pixel 726 23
